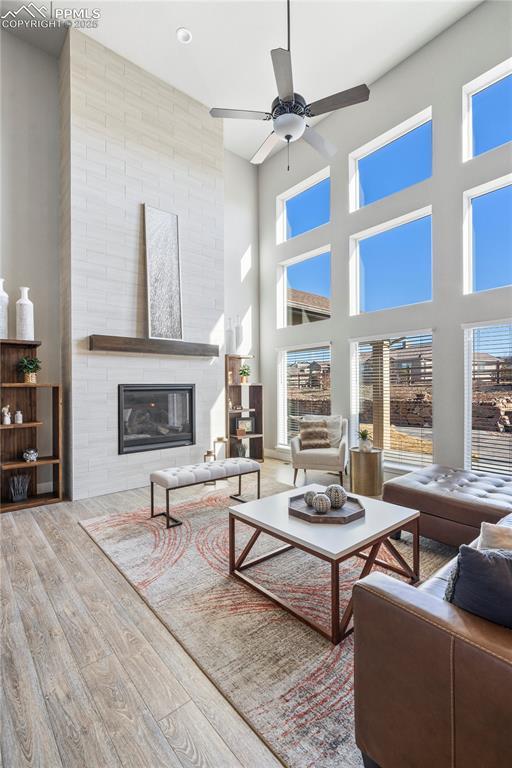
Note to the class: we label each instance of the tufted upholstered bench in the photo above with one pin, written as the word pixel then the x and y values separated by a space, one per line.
pixel 196 474
pixel 452 502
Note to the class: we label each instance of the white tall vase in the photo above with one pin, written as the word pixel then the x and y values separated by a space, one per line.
pixel 230 339
pixel 24 316
pixel 239 334
pixel 4 305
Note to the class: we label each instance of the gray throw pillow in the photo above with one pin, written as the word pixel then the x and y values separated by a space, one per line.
pixel 481 583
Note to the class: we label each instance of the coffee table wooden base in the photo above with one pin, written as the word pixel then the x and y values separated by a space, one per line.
pixel 340 625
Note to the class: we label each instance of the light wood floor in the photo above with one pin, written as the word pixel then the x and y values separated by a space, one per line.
pixel 90 677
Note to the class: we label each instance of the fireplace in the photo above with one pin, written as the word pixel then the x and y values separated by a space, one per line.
pixel 155 416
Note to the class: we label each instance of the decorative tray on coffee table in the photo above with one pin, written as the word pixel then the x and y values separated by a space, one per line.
pixel 351 510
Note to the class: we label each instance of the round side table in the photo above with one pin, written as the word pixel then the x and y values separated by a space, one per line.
pixel 366 471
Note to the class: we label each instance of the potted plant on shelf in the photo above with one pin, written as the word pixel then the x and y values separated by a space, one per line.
pixel 365 443
pixel 29 367
pixel 245 372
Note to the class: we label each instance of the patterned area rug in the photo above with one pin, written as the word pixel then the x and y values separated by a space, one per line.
pixel 292 686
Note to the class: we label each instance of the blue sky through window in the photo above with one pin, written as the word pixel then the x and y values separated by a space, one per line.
pixel 395 266
pixel 308 209
pixel 312 275
pixel 491 111
pixel 492 239
pixel 397 165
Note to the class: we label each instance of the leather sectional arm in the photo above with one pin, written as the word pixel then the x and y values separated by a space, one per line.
pixel 433 684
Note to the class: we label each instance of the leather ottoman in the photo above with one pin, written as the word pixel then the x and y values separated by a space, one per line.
pixel 452 502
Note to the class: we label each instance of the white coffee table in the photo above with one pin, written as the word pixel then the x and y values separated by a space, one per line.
pixel 332 543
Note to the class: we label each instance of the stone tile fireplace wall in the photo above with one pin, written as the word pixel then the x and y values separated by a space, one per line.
pixel 129 139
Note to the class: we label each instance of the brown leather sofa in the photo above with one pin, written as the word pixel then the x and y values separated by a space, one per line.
pixel 452 502
pixel 433 683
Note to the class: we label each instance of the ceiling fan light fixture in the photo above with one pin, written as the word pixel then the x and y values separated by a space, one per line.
pixel 184 35
pixel 290 110
pixel 289 127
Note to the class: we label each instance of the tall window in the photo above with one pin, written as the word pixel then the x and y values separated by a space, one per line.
pixel 398 159
pixel 307 284
pixel 304 207
pixel 391 264
pixel 488 236
pixel 489 398
pixel 304 387
pixel 487 111
pixel 392 396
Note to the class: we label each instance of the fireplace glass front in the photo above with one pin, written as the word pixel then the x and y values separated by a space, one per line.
pixel 155 416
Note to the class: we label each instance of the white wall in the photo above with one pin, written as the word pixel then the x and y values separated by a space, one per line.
pixel 434 75
pixel 134 139
pixel 241 252
pixel 29 227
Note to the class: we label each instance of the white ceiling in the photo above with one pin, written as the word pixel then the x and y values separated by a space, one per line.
pixel 335 45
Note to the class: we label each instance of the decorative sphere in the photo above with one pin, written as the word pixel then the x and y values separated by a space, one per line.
pixel 337 495
pixel 321 503
pixel 308 497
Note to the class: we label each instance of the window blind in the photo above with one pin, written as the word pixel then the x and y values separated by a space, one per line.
pixel 489 410
pixel 305 388
pixel 392 396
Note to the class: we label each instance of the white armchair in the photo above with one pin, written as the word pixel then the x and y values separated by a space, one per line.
pixel 332 459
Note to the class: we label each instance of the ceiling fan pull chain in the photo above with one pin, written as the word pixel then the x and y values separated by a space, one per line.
pixel 288 141
pixel 288 21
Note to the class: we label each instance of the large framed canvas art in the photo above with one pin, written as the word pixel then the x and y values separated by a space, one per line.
pixel 163 278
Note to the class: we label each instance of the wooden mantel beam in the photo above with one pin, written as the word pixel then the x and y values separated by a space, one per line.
pixel 100 343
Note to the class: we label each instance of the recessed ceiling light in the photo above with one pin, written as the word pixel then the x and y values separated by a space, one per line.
pixel 184 35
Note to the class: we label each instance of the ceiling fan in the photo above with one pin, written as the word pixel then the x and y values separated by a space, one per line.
pixel 289 111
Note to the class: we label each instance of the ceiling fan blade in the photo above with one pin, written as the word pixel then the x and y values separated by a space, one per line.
pixel 326 148
pixel 266 148
pixel 282 61
pixel 339 100
pixel 240 114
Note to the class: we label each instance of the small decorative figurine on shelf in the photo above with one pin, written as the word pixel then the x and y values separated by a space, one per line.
pixel 245 372
pixel 29 367
pixel 30 454
pixel 18 417
pixel 6 415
